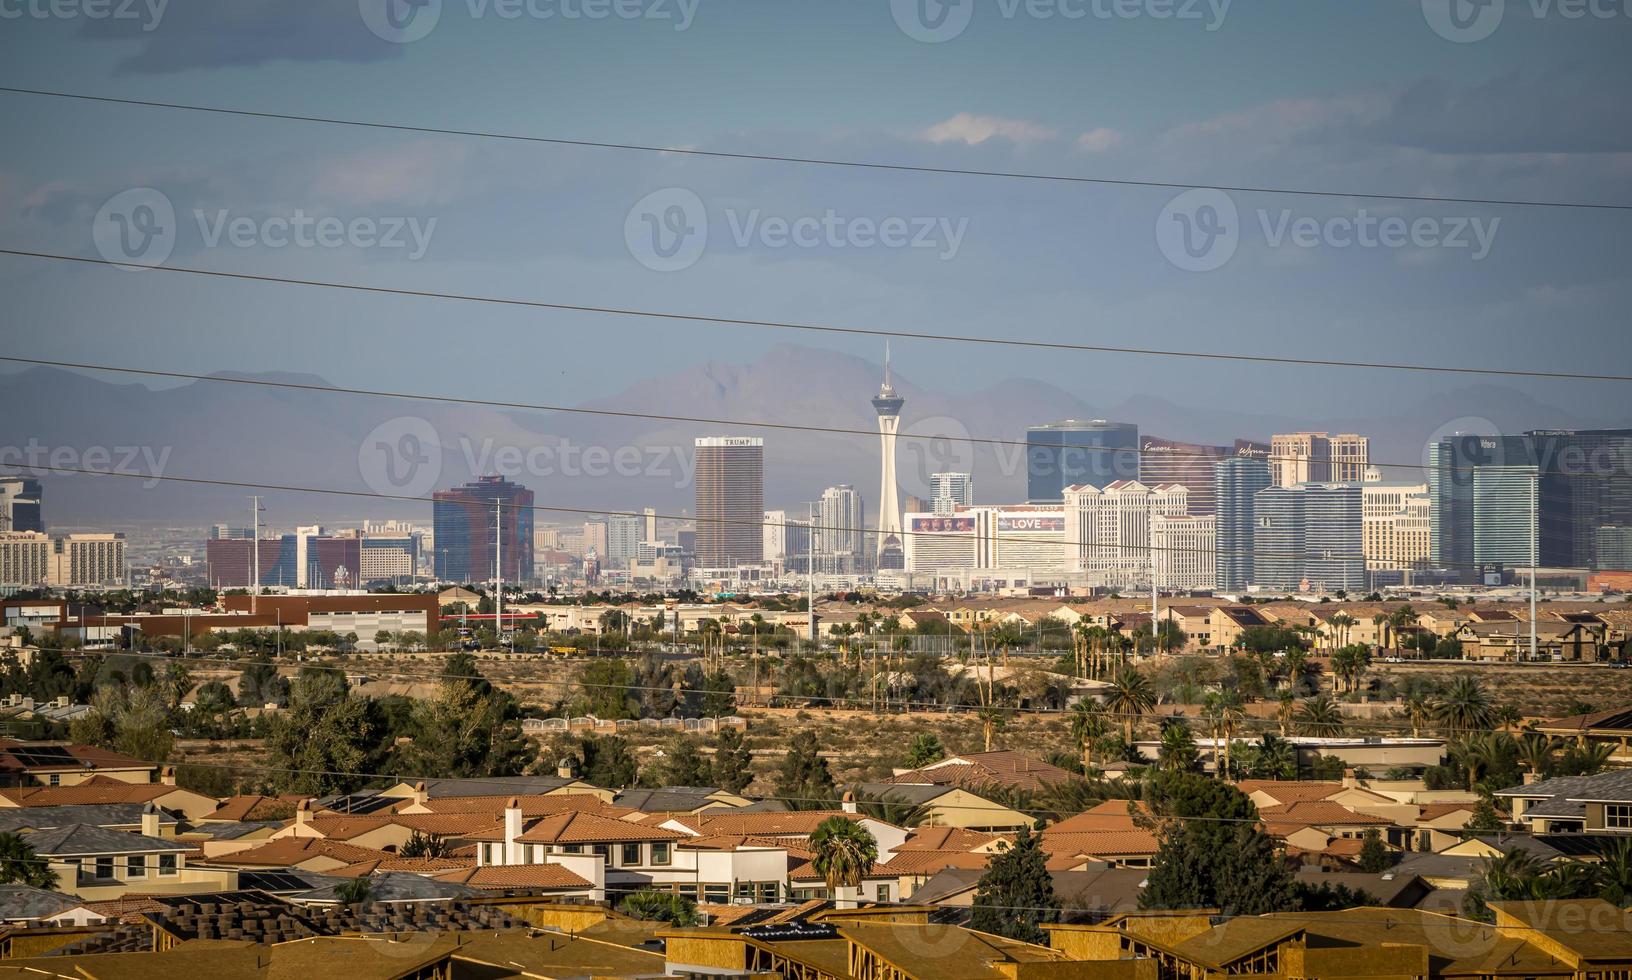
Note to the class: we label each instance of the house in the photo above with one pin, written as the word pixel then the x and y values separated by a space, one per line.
pixel 373 832
pixel 1326 828
pixel 976 769
pixel 1612 727
pixel 679 799
pixel 240 809
pixel 949 806
pixel 97 864
pixel 297 853
pixel 64 764
pixel 1106 835
pixel 554 880
pixel 100 789
pixel 131 817
pixel 1600 803
pixel 502 787
pixel 24 903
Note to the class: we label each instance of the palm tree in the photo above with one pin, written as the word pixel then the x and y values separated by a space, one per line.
pixel 20 865
pixel 1177 752
pixel 1340 624
pixel 1464 705
pixel 1130 696
pixel 844 854
pixel 1536 753
pixel 891 809
pixel 1223 712
pixel 1320 716
pixel 1088 725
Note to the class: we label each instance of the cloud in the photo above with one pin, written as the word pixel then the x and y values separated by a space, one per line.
pixel 1099 140
pixel 971 129
pixel 422 172
pixel 216 34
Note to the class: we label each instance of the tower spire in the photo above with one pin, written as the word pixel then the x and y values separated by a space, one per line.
pixel 886 364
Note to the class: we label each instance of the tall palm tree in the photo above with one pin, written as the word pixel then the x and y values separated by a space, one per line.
pixel 1088 725
pixel 20 865
pixel 844 853
pixel 1340 623
pixel 1130 696
pixel 1223 713
pixel 891 809
pixel 1320 716
pixel 1537 752
pixel 1465 706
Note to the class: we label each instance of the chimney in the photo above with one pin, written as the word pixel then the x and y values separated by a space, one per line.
pixel 150 820
pixel 420 793
pixel 563 769
pixel 512 829
pixel 1349 780
pixel 850 803
pixel 303 812
pixel 167 775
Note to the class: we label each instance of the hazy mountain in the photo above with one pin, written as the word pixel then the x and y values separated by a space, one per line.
pixel 253 434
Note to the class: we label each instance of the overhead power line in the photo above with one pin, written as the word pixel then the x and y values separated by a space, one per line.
pixel 1164 452
pixel 816 161
pixel 828 328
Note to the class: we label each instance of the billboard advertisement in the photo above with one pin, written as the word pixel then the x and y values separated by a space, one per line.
pixel 943 525
pixel 1047 524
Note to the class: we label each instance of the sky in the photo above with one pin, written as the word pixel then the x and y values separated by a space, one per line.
pixel 1499 99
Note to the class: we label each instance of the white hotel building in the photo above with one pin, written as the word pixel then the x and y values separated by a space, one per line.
pixel 1110 529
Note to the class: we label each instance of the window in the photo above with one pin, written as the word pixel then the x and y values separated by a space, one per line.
pixel 136 866
pixel 572 849
pixel 103 869
pixel 604 850
pixel 53 780
pixel 631 854
pixel 1618 816
pixel 660 852
pixel 168 864
pixel 883 893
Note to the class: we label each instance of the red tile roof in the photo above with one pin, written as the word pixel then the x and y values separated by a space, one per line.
pixel 516 876
pixel 289 852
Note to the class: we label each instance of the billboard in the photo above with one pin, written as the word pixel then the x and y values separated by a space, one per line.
pixel 942 525
pixel 1043 524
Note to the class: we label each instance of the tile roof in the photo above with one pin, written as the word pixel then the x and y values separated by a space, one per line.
pixel 577 827
pixel 97 789
pixel 19 756
pixel 242 808
pixel 498 877
pixel 1285 818
pixel 1094 844
pixel 928 862
pixel 85 839
pixel 532 805
pixel 975 769
pixel 450 824
pixel 948 839
pixel 21 818
pixel 792 823
pixel 345 828
pixel 1291 790
pixel 288 852
pixel 413 865
pixel 1613 720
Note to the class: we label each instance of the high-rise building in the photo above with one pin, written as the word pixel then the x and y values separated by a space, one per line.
pixel 1108 531
pixel 1309 536
pixel 1073 453
pixel 472 520
pixel 650 515
pixel 1185 549
pixel 25 559
pixel 1186 463
pixel 891 550
pixel 840 532
pixel 1236 483
pixel 949 491
pixel 1615 549
pixel 1317 457
pixel 21 503
pixel 1397 518
pixel 305 559
pixel 1504 516
pixel 87 560
pixel 730 484
pixel 624 532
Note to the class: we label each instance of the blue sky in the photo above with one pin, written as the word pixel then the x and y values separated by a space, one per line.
pixel 1304 93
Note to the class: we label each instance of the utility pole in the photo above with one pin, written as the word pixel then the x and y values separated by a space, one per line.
pixel 810 574
pixel 498 573
pixel 255 554
pixel 1535 520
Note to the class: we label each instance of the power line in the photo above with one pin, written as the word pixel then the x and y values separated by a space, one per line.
pixel 828 328
pixel 815 161
pixel 1142 450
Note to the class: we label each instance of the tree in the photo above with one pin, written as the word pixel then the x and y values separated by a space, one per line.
pixel 926 747
pixel 733 762
pixel 1177 752
pixel 1130 696
pixel 1088 726
pixel 1015 897
pixel 844 853
pixel 19 865
pixel 603 686
pixel 325 741
pixel 1212 853
pixel 1375 857
pixel 803 781
pixel 682 765
pixel 425 846
pixel 655 906
pixel 461 732
pixel 355 891
pixel 1464 705
pixel 1320 716
pixel 1486 819
pixel 608 762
